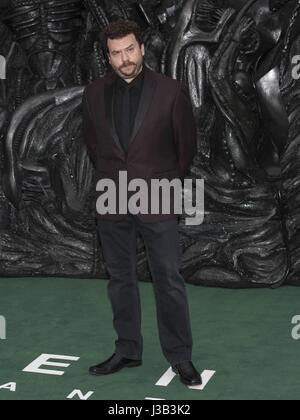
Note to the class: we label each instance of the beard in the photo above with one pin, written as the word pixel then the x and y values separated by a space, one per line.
pixel 130 70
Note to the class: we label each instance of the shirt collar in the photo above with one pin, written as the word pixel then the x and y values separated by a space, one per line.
pixel 135 83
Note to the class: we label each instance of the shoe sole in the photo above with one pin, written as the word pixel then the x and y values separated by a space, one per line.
pixel 129 365
pixel 184 381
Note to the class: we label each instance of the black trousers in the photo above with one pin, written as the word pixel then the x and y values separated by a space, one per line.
pixel 118 240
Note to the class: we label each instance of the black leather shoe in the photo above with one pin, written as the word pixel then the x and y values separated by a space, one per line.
pixel 187 373
pixel 113 364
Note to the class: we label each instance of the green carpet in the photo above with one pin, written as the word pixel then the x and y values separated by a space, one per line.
pixel 243 335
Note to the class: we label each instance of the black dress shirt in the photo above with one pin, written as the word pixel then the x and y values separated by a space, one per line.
pixel 126 102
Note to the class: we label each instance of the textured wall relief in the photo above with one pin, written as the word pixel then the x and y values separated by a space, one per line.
pixel 236 59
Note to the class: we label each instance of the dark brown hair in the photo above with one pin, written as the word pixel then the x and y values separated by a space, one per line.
pixel 121 28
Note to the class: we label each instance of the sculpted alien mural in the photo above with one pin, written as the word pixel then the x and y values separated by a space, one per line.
pixel 235 57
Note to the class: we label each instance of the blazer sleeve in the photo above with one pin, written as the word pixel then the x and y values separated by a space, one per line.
pixel 89 131
pixel 184 130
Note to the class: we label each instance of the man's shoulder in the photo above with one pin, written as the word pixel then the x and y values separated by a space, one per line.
pixel 97 84
pixel 162 79
pixel 165 80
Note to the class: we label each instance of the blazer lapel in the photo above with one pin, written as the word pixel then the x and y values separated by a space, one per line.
pixel 109 112
pixel 144 104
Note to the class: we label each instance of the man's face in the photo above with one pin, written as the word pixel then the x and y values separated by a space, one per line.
pixel 126 56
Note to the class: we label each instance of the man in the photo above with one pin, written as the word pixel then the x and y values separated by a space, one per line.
pixel 142 122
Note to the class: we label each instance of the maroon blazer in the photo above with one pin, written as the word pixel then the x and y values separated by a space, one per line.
pixel 163 141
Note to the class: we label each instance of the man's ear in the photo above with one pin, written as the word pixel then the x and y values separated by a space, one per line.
pixel 143 49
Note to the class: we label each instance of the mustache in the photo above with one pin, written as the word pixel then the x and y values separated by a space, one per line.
pixel 127 65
